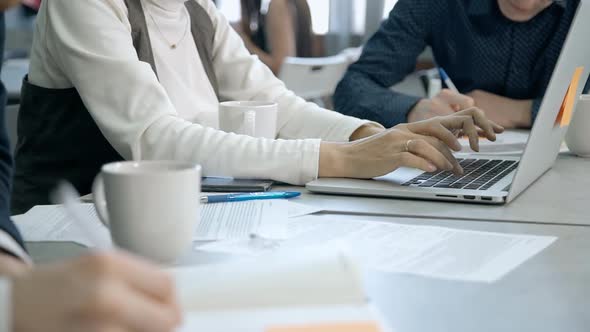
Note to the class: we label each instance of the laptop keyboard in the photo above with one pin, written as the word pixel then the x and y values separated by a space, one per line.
pixel 479 174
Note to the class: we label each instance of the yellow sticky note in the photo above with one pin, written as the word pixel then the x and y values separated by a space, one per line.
pixel 567 107
pixel 335 327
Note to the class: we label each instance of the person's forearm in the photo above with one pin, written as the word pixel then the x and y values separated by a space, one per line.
pixel 507 112
pixel 524 118
pixel 329 161
pixel 359 96
pixel 366 130
pixel 511 113
pixel 536 105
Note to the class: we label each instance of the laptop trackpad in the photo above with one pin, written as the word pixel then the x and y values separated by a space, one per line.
pixel 400 176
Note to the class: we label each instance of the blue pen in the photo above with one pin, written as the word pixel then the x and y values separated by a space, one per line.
pixel 445 78
pixel 249 196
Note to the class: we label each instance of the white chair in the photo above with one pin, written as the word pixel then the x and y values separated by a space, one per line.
pixel 352 53
pixel 11 120
pixel 313 78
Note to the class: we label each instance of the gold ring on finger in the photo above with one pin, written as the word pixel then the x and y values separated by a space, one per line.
pixel 408 145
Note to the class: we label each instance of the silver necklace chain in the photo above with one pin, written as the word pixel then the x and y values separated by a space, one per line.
pixel 172 45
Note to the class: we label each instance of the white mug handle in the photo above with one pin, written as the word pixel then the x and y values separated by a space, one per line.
pixel 100 202
pixel 249 123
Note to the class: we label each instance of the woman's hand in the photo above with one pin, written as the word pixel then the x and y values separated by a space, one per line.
pixel 471 122
pixel 425 145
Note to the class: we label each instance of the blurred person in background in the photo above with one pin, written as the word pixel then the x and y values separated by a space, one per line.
pixel 499 53
pixel 275 29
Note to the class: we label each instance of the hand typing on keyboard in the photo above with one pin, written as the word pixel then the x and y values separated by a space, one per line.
pixel 471 123
pixel 424 145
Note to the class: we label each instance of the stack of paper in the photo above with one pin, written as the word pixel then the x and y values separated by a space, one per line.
pixel 277 294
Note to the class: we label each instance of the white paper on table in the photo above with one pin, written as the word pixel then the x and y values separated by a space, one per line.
pixel 278 291
pixel 220 221
pixel 424 250
pixel 510 142
pixel 51 223
pixel 299 210
pixel 263 244
pixel 327 278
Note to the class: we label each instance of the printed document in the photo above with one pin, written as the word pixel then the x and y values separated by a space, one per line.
pixel 298 210
pixel 238 220
pixel 423 250
pixel 51 223
pixel 219 221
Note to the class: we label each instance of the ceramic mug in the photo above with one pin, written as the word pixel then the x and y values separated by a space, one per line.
pixel 251 118
pixel 578 134
pixel 150 207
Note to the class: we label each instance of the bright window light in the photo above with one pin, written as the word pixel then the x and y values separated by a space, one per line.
pixel 320 13
pixel 230 9
pixel 320 16
pixel 388 7
pixel 359 16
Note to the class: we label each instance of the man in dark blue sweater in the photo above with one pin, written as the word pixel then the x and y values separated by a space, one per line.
pixel 499 53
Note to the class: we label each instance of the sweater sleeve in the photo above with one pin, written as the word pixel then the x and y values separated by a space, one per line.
pixel 135 114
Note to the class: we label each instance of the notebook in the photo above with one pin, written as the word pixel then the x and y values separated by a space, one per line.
pixel 277 294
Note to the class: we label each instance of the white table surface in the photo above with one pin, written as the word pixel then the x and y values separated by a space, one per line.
pixel 561 196
pixel 550 292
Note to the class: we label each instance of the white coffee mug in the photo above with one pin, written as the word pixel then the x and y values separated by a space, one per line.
pixel 252 118
pixel 578 133
pixel 150 207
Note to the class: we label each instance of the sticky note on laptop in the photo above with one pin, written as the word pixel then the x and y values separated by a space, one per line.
pixel 567 107
pixel 326 327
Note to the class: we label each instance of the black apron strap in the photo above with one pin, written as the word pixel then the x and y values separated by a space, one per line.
pixel 204 34
pixel 139 33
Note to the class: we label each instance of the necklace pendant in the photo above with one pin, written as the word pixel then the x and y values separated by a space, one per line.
pixel 173 46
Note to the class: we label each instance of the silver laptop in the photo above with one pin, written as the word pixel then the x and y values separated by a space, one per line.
pixel 492 179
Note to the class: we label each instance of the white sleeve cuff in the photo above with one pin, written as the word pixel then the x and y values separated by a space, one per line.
pixel 310 161
pixel 5 305
pixel 345 127
pixel 9 244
